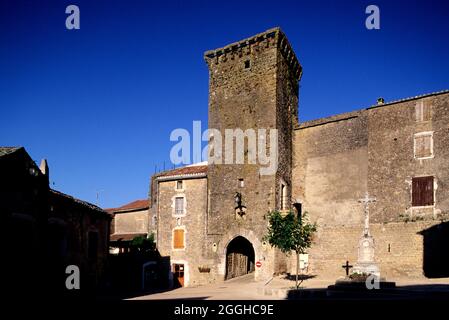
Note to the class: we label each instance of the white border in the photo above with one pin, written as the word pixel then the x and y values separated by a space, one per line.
pixel 421 134
pixel 186 272
pixel 173 238
pixel 173 205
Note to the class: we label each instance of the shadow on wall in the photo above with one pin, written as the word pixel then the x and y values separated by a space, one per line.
pixel 436 251
pixel 132 273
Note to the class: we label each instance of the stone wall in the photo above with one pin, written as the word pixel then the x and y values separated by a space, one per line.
pixel 391 162
pixel 330 169
pixel 131 221
pixel 400 249
pixel 337 159
pixel 70 222
pixel 46 231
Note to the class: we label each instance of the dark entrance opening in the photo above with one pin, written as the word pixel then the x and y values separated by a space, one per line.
pixel 178 275
pixel 436 251
pixel 239 258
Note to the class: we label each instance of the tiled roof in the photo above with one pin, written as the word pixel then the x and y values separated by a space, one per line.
pixel 84 203
pixel 126 236
pixel 7 150
pixel 335 118
pixel 410 98
pixel 190 171
pixel 354 114
pixel 138 204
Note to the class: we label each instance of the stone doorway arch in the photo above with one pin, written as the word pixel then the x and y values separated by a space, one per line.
pixel 240 258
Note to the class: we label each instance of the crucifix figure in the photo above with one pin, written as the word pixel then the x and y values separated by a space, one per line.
pixel 366 201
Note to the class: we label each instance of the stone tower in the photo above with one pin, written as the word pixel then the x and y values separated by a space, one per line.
pixel 253 84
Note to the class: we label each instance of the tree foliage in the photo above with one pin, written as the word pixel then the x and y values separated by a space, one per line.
pixel 290 233
pixel 142 244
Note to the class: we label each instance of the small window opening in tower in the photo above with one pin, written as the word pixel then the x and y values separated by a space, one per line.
pixel 241 183
pixel 283 197
pixel 247 64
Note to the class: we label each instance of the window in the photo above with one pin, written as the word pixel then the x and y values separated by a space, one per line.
pixel 283 197
pixel 241 183
pixel 179 185
pixel 423 145
pixel 247 64
pixel 179 205
pixel 423 111
pixel 422 191
pixel 178 239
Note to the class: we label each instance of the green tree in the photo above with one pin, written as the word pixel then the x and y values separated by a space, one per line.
pixel 142 244
pixel 290 233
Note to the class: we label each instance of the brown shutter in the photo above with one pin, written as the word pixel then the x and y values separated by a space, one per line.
pixel 415 192
pixel 178 239
pixel 422 191
pixel 428 193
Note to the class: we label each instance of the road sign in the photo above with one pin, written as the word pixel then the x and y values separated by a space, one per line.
pixel 258 264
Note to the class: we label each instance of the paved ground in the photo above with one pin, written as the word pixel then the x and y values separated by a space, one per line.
pixel 246 288
pixel 242 288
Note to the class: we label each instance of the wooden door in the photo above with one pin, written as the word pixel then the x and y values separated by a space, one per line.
pixel 237 265
pixel 178 274
pixel 230 266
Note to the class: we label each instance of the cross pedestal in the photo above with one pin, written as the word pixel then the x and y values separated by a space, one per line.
pixel 365 264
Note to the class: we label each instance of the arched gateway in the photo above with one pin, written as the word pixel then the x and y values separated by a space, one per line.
pixel 239 258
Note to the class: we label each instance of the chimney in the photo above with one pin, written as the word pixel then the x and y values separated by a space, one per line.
pixel 44 169
pixel 380 101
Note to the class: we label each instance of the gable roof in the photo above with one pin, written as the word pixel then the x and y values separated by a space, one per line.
pixel 8 150
pixel 192 171
pixel 78 201
pixel 132 206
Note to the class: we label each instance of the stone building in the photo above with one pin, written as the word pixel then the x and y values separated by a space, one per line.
pixel 77 233
pixel 134 264
pixel 396 151
pixel 179 198
pixel 47 230
pixel 129 221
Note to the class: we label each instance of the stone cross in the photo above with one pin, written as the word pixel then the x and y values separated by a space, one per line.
pixel 366 201
pixel 347 266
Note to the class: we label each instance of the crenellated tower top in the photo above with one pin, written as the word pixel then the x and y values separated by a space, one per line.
pixel 271 38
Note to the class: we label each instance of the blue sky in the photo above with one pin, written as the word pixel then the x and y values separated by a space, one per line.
pixel 100 102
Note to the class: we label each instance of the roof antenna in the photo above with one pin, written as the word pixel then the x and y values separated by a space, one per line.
pixel 98 196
